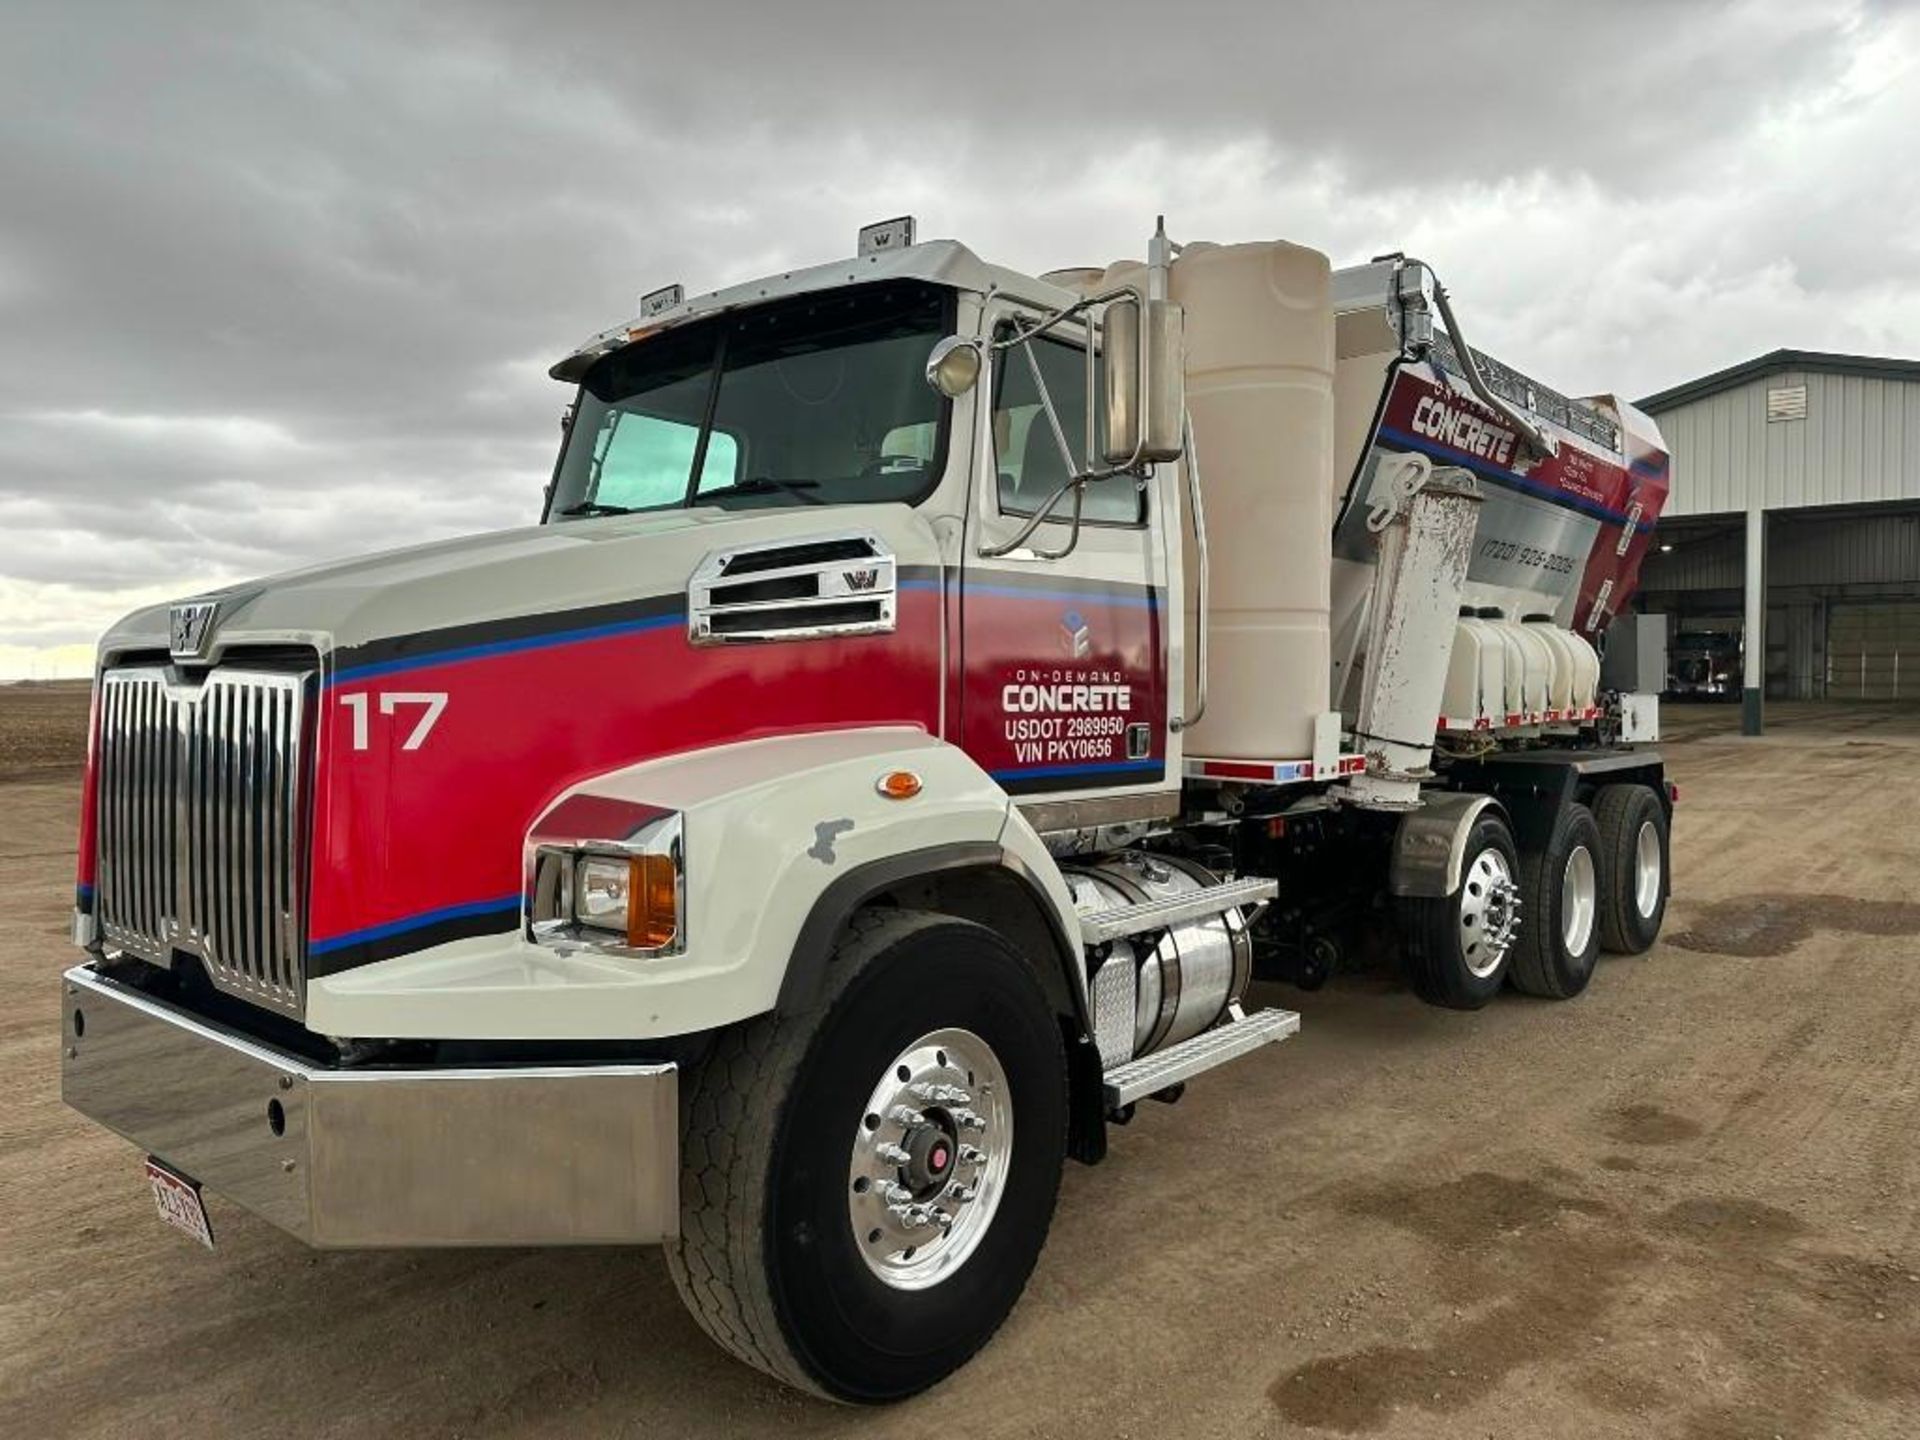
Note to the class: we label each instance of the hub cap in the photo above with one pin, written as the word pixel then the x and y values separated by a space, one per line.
pixel 1578 901
pixel 930 1159
pixel 1489 912
pixel 1646 870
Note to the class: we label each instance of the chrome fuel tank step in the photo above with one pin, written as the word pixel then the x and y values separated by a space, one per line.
pixel 1105 925
pixel 1150 1074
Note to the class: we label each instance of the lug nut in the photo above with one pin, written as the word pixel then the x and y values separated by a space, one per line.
pixel 928 1093
pixel 967 1120
pixel 892 1154
pixel 896 1194
pixel 972 1155
pixel 942 1219
pixel 906 1115
pixel 962 1193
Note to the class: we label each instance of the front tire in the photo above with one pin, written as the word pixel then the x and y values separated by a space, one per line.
pixel 1456 946
pixel 821 1150
pixel 1561 889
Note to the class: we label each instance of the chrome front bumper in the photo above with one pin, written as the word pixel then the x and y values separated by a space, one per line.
pixel 344 1159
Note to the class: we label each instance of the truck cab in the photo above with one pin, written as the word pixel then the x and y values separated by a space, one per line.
pixel 928 695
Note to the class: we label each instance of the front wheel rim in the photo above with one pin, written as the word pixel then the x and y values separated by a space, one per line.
pixel 1647 870
pixel 1578 900
pixel 931 1157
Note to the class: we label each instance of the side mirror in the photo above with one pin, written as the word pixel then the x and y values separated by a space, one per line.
pixel 954 366
pixel 1144 376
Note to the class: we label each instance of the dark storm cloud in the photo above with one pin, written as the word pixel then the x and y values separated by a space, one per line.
pixel 282 282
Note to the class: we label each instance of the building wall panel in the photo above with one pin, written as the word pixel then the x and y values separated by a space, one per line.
pixel 1859 444
pixel 1878 547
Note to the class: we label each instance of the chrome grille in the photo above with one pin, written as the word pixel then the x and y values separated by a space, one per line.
pixel 201 793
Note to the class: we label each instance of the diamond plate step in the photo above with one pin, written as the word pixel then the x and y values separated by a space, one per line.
pixel 1150 1074
pixel 1105 925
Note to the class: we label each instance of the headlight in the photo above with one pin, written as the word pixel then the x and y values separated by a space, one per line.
pixel 602 886
pixel 624 896
pixel 637 896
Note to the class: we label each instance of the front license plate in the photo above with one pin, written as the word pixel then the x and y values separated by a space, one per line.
pixel 178 1201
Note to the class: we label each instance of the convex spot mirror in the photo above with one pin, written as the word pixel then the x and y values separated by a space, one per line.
pixel 1144 380
pixel 954 366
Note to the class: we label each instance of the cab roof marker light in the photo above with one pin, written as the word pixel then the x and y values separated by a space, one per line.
pixel 895 234
pixel 656 303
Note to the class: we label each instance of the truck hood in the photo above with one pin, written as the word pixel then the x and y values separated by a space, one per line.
pixel 502 575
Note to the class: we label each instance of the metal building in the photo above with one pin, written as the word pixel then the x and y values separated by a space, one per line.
pixel 1789 552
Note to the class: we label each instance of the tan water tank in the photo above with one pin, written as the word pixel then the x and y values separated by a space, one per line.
pixel 1260 365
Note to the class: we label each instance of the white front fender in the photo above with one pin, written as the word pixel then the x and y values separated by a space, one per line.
pixel 770 829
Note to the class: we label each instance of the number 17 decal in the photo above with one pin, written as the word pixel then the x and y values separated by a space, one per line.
pixel 432 701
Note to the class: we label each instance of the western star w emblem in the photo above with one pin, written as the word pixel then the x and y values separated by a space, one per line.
pixel 862 579
pixel 190 628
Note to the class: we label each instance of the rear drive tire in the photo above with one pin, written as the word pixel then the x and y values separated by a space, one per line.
pixel 1634 875
pixel 1560 922
pixel 1457 947
pixel 809 1246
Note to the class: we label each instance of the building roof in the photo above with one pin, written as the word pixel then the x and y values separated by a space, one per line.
pixel 1871 367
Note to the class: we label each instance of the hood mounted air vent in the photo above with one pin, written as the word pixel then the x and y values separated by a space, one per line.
pixel 809 589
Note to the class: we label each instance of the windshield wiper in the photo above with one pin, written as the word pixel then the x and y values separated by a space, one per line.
pixel 594 507
pixel 766 485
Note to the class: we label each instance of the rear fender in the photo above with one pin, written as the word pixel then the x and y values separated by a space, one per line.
pixel 1430 846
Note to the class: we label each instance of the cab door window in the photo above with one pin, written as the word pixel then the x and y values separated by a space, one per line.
pixel 1026 453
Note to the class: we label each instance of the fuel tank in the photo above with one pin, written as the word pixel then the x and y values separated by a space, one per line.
pixel 1147 998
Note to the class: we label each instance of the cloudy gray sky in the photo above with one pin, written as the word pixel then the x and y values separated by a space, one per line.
pixel 281 283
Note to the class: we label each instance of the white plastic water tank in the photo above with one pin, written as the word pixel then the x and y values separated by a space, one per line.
pixel 1514 673
pixel 1586 689
pixel 1476 676
pixel 1576 669
pixel 1539 661
pixel 1260 368
pixel 1561 676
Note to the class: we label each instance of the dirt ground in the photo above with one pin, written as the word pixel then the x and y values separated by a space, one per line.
pixel 1686 1204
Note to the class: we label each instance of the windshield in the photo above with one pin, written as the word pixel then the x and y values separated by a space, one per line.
pixel 818 400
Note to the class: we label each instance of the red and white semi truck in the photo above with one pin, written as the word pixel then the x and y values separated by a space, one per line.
pixel 930 695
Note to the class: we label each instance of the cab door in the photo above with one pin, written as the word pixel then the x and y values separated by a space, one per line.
pixel 1065 662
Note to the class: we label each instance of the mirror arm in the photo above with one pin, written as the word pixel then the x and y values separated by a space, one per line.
pixel 1078 485
pixel 1064 314
pixel 1053 415
pixel 1203 588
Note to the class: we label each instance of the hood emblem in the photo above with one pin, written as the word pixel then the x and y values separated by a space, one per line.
pixel 190 628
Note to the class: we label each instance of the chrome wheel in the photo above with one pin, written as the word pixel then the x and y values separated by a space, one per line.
pixel 1489 912
pixel 930 1159
pixel 1579 900
pixel 1648 871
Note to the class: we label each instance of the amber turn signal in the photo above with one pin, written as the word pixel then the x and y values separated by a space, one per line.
pixel 898 784
pixel 653 906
